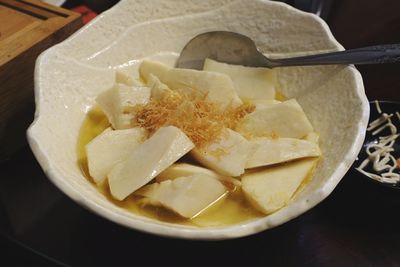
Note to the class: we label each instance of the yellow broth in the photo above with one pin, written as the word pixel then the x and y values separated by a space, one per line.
pixel 232 209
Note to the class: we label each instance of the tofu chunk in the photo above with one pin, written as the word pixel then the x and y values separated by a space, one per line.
pixel 216 87
pixel 312 137
pixel 286 119
pixel 115 100
pixel 109 148
pixel 158 89
pixel 124 78
pixel 150 158
pixel 249 82
pixel 265 151
pixel 148 67
pixel 227 156
pixel 185 169
pixel 188 196
pixel 263 103
pixel 272 188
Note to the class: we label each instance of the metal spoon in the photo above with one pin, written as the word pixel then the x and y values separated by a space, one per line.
pixel 235 48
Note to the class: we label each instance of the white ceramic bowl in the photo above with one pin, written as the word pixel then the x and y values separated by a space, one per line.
pixel 68 77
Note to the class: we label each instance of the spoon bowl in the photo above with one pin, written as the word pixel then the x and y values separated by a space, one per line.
pixel 223 46
pixel 235 48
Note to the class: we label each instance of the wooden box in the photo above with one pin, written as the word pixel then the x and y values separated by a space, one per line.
pixel 27 27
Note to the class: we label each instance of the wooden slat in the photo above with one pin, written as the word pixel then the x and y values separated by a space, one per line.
pixel 27 27
pixel 19 23
pixel 26 34
pixel 17 7
pixel 44 7
pixel 32 9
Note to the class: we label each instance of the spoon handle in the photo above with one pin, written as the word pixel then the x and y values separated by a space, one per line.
pixel 366 55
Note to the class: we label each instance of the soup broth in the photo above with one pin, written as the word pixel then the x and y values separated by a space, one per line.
pixel 232 209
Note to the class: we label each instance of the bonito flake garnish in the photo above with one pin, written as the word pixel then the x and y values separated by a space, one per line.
pixel 201 120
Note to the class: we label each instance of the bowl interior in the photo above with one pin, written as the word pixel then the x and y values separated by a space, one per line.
pixel 69 76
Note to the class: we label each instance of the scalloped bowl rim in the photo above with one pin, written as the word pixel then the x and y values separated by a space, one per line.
pixel 209 233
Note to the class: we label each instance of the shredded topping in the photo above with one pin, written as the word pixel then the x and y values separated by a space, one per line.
pixel 201 120
pixel 378 107
pixel 379 152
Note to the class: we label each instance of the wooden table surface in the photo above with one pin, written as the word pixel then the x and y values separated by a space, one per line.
pixel 357 225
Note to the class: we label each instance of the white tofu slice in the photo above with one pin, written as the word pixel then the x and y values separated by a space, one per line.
pixel 150 158
pixel 111 147
pixel 148 67
pixel 227 156
pixel 265 151
pixel 185 169
pixel 250 83
pixel 158 89
pixel 286 119
pixel 115 100
pixel 272 188
pixel 124 78
pixel 312 137
pixel 217 87
pixel 263 103
pixel 188 196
